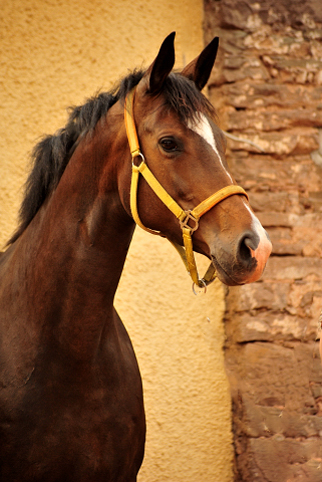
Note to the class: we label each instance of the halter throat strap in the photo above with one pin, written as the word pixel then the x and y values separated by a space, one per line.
pixel 185 217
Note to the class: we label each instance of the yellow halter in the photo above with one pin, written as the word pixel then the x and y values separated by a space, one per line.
pixel 185 251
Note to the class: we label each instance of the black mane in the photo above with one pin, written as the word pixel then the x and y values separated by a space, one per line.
pixel 51 155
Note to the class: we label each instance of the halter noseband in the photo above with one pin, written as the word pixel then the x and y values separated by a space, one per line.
pixel 186 251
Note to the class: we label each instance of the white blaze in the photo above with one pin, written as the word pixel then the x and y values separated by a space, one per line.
pixel 256 225
pixel 203 128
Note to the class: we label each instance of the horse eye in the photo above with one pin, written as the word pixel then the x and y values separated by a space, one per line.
pixel 169 144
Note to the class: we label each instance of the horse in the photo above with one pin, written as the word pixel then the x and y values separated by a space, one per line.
pixel 148 152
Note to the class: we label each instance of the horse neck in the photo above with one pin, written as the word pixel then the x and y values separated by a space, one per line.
pixel 75 248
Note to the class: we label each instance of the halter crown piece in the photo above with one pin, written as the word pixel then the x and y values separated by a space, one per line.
pixel 185 251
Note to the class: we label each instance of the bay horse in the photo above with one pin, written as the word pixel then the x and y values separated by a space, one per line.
pixel 71 403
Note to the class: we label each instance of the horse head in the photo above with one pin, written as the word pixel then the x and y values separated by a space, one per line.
pixel 179 149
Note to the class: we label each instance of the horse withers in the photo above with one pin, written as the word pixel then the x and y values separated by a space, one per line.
pixel 71 404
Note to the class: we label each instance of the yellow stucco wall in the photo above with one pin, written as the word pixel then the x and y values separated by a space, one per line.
pixel 56 53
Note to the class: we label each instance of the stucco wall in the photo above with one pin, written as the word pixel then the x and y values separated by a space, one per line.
pixel 55 54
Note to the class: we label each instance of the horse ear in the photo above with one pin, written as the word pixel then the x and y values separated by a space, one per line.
pixel 199 69
pixel 162 65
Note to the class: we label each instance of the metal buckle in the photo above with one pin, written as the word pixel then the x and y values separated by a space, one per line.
pixel 185 221
pixel 135 156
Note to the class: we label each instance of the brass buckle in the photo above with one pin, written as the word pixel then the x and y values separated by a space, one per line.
pixel 185 221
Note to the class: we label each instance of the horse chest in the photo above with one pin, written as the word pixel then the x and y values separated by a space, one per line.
pixel 83 422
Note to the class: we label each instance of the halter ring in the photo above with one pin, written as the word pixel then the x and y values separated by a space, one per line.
pixel 135 155
pixel 204 287
pixel 185 221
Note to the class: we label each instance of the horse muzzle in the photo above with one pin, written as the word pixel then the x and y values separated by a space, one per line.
pixel 243 261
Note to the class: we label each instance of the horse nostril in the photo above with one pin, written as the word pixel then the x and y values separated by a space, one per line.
pixel 248 242
pixel 251 243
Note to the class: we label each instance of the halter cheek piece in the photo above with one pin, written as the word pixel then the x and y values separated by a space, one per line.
pixel 139 166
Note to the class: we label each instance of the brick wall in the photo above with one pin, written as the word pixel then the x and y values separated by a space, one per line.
pixel 268 89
